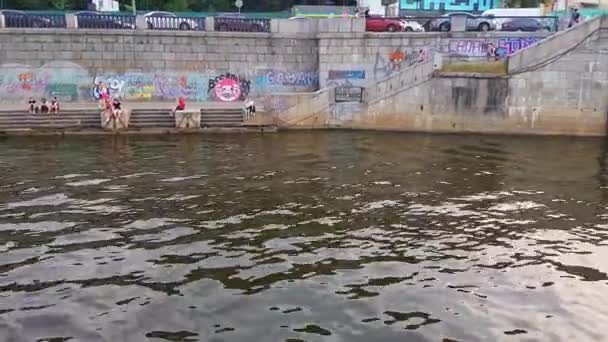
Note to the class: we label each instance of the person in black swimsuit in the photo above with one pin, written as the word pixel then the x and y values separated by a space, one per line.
pixel 44 107
pixel 33 106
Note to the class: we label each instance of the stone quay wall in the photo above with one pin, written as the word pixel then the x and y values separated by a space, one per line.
pixel 150 65
pixel 154 65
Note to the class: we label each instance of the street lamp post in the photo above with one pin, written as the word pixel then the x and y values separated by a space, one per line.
pixel 133 5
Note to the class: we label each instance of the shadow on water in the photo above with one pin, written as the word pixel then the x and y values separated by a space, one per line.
pixel 345 236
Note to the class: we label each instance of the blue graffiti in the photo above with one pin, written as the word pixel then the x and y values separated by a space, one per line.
pixel 442 5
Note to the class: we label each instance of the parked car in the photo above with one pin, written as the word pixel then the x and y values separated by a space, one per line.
pixel 238 22
pixel 169 21
pixel 375 23
pixel 14 18
pixel 91 19
pixel 522 24
pixel 473 23
pixel 413 26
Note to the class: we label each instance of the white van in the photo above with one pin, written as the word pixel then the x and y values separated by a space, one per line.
pixel 511 12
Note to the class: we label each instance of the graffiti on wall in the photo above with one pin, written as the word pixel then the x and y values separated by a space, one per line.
pixel 482 47
pixel 229 87
pixel 145 86
pixel 399 59
pixel 346 74
pixel 453 5
pixel 65 80
pixel 304 79
pixel 71 82
pixel 346 78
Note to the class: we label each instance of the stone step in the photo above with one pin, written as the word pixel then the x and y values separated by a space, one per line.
pixel 219 122
pixel 62 115
pixel 48 125
pixel 216 117
pixel 222 115
pixel 34 122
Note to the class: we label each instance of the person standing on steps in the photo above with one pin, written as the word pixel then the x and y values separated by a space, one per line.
pixel 33 107
pixel 575 17
pixel 249 108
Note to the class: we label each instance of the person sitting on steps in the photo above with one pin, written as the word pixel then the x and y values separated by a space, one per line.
pixel 54 105
pixel 181 105
pixel 44 106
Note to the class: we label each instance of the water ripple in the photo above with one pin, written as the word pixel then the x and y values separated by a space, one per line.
pixel 303 237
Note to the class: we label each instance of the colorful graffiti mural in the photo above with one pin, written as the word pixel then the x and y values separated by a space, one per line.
pixel 273 80
pixel 305 79
pixel 399 59
pixel 442 5
pixel 65 80
pixel 229 87
pixel 162 86
pixel 70 82
pixel 481 47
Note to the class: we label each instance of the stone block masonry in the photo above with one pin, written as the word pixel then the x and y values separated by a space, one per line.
pixel 217 66
pixel 153 65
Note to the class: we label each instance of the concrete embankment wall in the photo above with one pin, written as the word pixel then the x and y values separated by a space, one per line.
pixel 562 90
pixel 154 65
pixel 146 65
pixel 350 59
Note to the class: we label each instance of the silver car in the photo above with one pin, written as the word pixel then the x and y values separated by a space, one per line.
pixel 169 21
pixel 473 23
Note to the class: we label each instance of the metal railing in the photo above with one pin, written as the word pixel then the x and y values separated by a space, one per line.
pixel 241 24
pixel 175 23
pixel 105 21
pixel 349 94
pixel 24 20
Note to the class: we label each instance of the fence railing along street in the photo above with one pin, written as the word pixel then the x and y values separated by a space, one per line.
pixel 169 21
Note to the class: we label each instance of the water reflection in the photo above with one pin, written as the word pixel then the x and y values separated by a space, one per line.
pixel 303 236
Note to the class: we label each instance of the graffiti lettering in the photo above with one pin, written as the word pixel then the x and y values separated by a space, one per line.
pixel 512 45
pixel 441 5
pixel 481 47
pixel 468 47
pixel 297 79
pixel 346 74
pixel 229 87
pixel 396 60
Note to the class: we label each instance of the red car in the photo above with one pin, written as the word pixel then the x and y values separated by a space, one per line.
pixel 382 24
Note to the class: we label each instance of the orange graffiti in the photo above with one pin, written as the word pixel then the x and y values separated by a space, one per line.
pixel 396 59
pixel 26 80
pixel 183 81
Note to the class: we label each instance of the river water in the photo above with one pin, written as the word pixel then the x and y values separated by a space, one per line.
pixel 303 236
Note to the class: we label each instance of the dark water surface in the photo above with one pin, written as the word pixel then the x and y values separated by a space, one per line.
pixel 328 236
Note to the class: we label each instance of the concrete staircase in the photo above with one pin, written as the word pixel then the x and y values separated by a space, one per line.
pixel 221 117
pixel 151 118
pixel 67 119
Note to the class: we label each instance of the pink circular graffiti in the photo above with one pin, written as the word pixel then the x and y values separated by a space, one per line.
pixel 227 90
